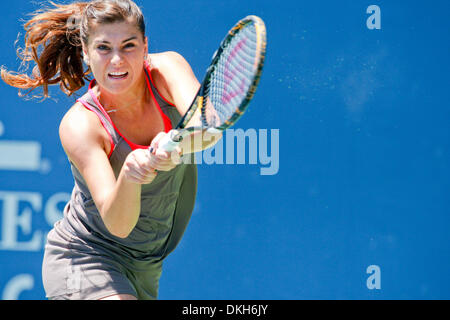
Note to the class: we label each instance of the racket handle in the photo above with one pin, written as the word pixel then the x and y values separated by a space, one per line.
pixel 167 143
pixel 213 130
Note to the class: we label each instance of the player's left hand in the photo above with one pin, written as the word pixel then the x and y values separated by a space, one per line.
pixel 160 159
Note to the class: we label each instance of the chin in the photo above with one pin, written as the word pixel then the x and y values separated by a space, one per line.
pixel 117 86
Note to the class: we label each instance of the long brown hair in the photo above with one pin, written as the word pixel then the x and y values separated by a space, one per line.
pixel 54 38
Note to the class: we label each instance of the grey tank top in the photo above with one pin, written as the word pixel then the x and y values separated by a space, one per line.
pixel 166 203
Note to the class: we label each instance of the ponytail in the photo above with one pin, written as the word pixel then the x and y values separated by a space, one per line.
pixel 53 42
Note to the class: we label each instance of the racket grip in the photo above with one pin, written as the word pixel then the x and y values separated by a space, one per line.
pixel 213 130
pixel 167 143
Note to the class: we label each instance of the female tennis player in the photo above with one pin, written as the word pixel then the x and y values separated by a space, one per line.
pixel 132 201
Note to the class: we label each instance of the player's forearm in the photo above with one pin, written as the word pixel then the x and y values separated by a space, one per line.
pixel 121 208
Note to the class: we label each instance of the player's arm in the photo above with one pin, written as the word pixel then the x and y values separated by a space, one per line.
pixel 182 87
pixel 118 201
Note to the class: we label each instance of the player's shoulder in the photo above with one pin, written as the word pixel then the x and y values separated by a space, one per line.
pixel 167 57
pixel 171 74
pixel 168 62
pixel 79 125
pixel 76 117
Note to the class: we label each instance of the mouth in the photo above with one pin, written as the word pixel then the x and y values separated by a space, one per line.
pixel 117 75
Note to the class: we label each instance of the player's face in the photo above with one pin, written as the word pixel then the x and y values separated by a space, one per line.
pixel 116 53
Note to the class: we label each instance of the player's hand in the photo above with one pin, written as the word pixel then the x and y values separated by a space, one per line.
pixel 137 168
pixel 160 159
pixel 141 165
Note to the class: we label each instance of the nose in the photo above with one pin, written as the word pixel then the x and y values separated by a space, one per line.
pixel 116 59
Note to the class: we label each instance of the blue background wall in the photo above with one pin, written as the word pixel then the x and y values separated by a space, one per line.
pixel 363 157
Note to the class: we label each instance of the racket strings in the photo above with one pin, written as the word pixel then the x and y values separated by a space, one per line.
pixel 232 77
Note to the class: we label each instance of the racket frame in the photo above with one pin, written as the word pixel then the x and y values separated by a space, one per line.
pixel 176 135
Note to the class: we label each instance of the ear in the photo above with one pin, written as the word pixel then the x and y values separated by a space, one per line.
pixel 146 47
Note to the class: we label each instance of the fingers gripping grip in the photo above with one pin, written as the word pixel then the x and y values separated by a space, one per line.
pixel 168 143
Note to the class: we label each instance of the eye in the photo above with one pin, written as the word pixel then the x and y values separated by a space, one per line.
pixel 129 45
pixel 103 47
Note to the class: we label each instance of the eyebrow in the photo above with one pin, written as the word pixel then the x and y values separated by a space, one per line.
pixel 104 41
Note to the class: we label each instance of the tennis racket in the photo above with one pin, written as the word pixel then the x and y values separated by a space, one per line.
pixel 229 84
